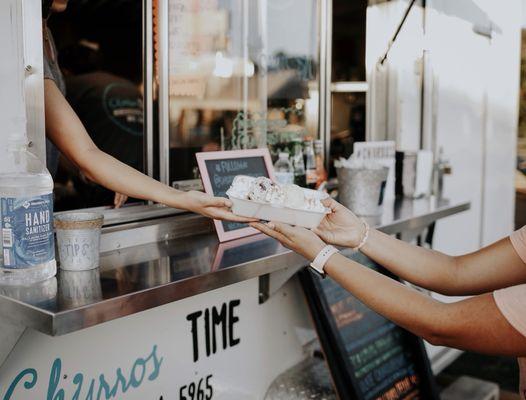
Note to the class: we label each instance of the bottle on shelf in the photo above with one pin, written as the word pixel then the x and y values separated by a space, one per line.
pixel 321 172
pixel 310 165
pixel 26 207
pixel 283 170
pixel 299 164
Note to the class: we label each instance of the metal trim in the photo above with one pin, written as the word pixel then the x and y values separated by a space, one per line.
pixel 153 231
pixel 148 75
pixel 34 82
pixel 349 87
pixel 69 320
pixel 164 94
pixel 131 213
pixel 424 220
pixel 326 77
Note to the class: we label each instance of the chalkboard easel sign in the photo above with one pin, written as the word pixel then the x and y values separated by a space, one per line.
pixel 218 170
pixel 370 358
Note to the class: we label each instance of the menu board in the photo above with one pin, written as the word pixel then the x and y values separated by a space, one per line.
pixel 218 170
pixel 222 173
pixel 370 357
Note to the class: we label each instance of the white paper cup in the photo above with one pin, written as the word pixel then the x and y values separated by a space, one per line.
pixel 78 240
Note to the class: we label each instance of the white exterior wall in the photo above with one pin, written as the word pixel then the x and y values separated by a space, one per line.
pixel 470 109
pixel 470 103
pixel 11 66
pixel 22 93
pixel 34 83
pixel 502 122
pixel 460 79
pixel 476 82
pixel 150 355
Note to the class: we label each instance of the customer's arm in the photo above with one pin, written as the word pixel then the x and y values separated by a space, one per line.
pixel 65 130
pixel 491 268
pixel 475 324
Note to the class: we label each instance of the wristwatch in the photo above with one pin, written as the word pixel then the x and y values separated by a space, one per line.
pixel 318 264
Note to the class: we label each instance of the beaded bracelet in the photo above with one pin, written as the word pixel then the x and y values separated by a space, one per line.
pixel 364 239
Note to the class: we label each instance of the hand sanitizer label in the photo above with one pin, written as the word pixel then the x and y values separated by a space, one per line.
pixel 27 231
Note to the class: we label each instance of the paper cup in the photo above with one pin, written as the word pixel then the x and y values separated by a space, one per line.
pixel 78 240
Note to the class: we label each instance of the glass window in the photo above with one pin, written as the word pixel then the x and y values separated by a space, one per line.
pixel 241 74
pixel 100 54
pixel 347 125
pixel 349 87
pixel 348 40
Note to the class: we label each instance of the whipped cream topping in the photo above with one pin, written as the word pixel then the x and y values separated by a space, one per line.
pixel 263 190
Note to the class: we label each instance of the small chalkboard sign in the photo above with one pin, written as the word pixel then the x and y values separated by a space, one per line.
pixel 218 170
pixel 370 357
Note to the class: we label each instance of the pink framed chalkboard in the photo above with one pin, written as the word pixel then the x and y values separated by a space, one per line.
pixel 219 168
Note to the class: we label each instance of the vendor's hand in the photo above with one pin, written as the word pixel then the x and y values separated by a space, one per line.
pixel 300 240
pixel 341 227
pixel 211 207
pixel 119 200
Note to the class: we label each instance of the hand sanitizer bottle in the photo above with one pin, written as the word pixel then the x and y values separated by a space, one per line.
pixel 26 216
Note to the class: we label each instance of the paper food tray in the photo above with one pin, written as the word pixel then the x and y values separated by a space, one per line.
pixel 269 212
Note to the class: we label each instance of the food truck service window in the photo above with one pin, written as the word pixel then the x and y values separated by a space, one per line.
pixel 100 53
pixel 155 82
pixel 235 74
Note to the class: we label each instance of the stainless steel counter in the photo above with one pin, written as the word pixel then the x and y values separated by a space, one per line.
pixel 140 277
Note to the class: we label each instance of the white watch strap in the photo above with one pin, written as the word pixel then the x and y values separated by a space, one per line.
pixel 321 259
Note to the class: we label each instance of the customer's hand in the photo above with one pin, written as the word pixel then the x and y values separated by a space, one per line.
pixel 300 240
pixel 211 207
pixel 341 227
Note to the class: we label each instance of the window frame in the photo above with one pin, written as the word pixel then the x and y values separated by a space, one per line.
pixel 156 104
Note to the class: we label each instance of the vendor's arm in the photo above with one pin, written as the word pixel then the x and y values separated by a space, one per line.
pixel 475 324
pixel 66 131
pixel 490 268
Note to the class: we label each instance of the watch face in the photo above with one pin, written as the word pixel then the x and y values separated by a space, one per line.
pixel 319 272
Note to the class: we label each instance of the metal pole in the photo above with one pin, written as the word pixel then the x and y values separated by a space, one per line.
pixel 398 29
pixel 148 74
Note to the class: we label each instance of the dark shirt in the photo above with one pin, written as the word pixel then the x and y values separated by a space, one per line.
pixel 111 109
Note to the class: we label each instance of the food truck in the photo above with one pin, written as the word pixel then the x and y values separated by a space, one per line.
pixel 185 308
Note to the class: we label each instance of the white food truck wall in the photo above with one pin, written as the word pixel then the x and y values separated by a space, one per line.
pixel 476 89
pixel 470 103
pixel 11 99
pixel 473 116
pixel 21 70
pixel 203 347
pixel 469 107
